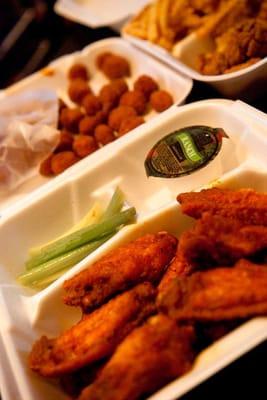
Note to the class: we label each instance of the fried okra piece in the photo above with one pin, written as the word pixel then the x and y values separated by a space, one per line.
pixel 62 161
pixel 45 166
pixel 84 145
pixel 218 294
pixel 78 89
pixel 160 100
pixel 129 124
pixel 78 70
pixel 149 358
pixel 146 85
pixel 119 114
pixel 96 336
pixel 104 134
pixel 144 259
pixel 114 66
pixel 88 124
pixel 134 99
pixel 65 141
pixel 91 104
pixel 70 119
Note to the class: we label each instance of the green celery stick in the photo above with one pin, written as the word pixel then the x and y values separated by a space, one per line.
pixel 62 262
pixel 81 237
pixel 115 204
pixel 93 216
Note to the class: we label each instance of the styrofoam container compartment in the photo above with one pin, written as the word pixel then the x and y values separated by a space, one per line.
pixel 54 77
pixel 247 83
pixel 241 163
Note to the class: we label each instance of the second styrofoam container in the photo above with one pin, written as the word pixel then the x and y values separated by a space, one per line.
pixel 247 83
pixel 55 77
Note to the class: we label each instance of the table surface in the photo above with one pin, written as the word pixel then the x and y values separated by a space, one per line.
pixel 244 378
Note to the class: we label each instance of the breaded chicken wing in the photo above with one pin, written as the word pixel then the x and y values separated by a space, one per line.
pixel 246 205
pixel 96 336
pixel 218 294
pixel 245 40
pixel 179 267
pixel 146 360
pixel 215 240
pixel 144 259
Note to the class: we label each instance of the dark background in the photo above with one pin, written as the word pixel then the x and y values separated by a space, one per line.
pixel 37 37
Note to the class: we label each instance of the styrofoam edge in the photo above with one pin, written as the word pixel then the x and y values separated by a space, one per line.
pixel 253 333
pixel 179 66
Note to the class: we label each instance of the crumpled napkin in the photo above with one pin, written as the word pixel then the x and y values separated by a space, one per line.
pixel 28 134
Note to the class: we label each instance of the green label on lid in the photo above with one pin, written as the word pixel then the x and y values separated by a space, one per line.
pixel 184 151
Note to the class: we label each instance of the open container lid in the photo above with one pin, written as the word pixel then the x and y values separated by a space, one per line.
pixel 95 13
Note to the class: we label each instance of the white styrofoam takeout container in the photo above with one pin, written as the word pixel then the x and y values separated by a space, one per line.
pixel 95 13
pixel 247 83
pixel 51 212
pixel 54 77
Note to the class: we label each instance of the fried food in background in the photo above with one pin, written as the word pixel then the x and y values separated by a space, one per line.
pixel 101 115
pixel 160 100
pixel 129 124
pixel 149 358
pixel 218 294
pixel 144 259
pixel 84 145
pixel 96 336
pixel 240 46
pixel 164 22
pixel 238 28
pixel 63 160
pixel 113 66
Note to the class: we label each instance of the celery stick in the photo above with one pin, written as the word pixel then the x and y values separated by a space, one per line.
pixel 60 263
pixel 93 216
pixel 115 204
pixel 81 237
pixel 43 283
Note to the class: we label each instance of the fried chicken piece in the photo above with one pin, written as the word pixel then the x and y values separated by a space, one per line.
pixel 96 336
pixel 144 259
pixel 218 294
pixel 228 14
pixel 221 241
pixel 179 267
pixel 246 39
pixel 149 358
pixel 243 65
pixel 246 205
pixel 73 383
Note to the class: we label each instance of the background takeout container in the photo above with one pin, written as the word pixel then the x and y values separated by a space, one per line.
pixel 55 77
pixel 247 83
pixel 52 210
pixel 95 13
